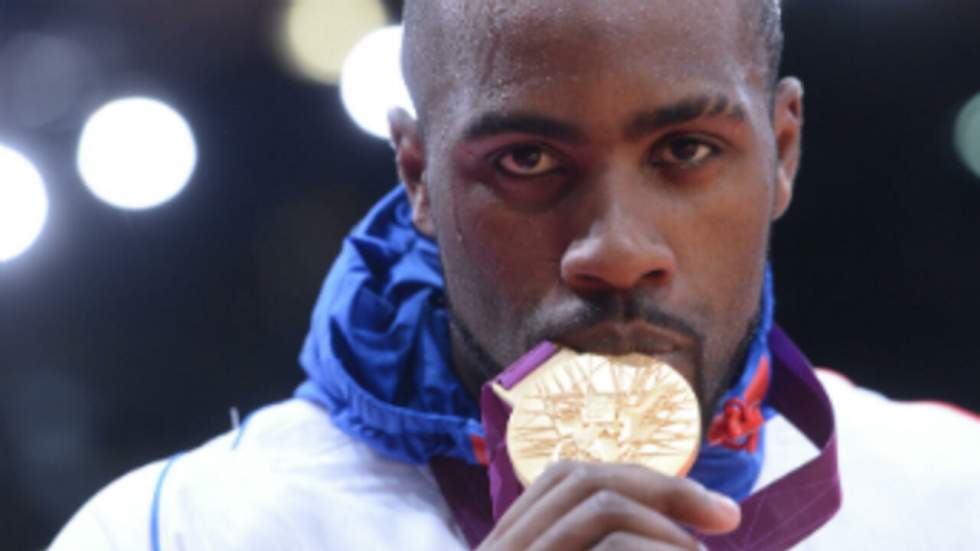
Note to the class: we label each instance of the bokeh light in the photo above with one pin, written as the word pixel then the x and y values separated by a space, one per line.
pixel 23 204
pixel 371 83
pixel 967 134
pixel 317 34
pixel 136 153
pixel 48 76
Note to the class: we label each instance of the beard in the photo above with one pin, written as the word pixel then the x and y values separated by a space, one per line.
pixel 481 366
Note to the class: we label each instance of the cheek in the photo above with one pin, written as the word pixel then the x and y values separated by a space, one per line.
pixel 498 263
pixel 721 250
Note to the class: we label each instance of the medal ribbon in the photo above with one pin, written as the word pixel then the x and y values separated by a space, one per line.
pixel 773 519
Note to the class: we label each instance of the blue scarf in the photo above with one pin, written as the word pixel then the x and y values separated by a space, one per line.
pixel 377 354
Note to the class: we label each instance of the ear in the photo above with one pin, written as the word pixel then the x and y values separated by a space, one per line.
pixel 410 158
pixel 788 129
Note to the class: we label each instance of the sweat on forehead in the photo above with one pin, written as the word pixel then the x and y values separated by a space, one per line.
pixel 451 42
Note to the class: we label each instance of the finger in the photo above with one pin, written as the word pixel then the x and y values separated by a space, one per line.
pixel 566 485
pixel 691 504
pixel 544 484
pixel 620 541
pixel 605 513
pixel 682 500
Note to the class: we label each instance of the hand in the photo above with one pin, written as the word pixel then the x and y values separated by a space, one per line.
pixel 611 506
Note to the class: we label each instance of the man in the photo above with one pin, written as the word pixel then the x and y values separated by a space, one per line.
pixel 602 175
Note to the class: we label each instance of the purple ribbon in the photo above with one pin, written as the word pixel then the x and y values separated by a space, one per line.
pixel 773 519
pixel 504 486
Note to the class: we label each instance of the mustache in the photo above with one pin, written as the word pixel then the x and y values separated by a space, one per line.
pixel 578 314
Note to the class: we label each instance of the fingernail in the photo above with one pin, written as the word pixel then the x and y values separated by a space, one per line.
pixel 724 502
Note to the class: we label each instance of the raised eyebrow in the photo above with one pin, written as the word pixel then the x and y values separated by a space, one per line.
pixel 685 110
pixel 493 124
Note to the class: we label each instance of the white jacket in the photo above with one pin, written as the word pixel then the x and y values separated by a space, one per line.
pixel 289 480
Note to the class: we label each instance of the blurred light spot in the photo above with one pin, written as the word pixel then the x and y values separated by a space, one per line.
pixel 371 82
pixel 23 204
pixel 967 134
pixel 318 34
pixel 47 77
pixel 136 153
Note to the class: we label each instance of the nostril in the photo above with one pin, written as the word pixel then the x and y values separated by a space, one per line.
pixel 587 282
pixel 655 275
pixel 608 260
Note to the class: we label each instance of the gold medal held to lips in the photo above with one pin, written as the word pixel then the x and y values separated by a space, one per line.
pixel 587 407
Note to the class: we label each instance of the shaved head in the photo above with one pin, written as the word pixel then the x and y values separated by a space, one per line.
pixel 441 38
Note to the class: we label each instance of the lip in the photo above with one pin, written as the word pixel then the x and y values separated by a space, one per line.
pixel 627 338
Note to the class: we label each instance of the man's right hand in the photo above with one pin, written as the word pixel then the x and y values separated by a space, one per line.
pixel 576 506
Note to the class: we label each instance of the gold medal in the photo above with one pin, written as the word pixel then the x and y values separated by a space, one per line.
pixel 587 407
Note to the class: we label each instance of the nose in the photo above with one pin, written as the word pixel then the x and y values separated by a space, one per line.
pixel 622 247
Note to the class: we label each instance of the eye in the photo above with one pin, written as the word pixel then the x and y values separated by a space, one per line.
pixel 684 152
pixel 526 161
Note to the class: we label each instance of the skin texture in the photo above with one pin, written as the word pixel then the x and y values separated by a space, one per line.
pixel 578 506
pixel 603 175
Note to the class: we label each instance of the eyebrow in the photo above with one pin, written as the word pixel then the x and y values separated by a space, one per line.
pixel 492 124
pixel 642 124
pixel 686 110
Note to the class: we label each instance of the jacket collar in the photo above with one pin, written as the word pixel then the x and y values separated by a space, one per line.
pixel 377 356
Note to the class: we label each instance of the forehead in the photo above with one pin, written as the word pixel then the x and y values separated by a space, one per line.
pixel 507 54
pixel 498 35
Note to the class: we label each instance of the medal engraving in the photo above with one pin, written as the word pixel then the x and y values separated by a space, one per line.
pixel 585 407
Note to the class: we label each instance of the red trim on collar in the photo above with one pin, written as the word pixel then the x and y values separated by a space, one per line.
pixel 737 426
pixel 479 449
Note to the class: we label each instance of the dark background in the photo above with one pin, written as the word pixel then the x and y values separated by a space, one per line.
pixel 127 336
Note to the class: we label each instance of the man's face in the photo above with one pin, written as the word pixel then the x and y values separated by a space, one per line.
pixel 603 175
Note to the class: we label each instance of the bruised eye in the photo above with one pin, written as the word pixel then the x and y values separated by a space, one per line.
pixel 526 160
pixel 684 152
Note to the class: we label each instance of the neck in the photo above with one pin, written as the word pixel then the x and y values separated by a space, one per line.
pixel 470 361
